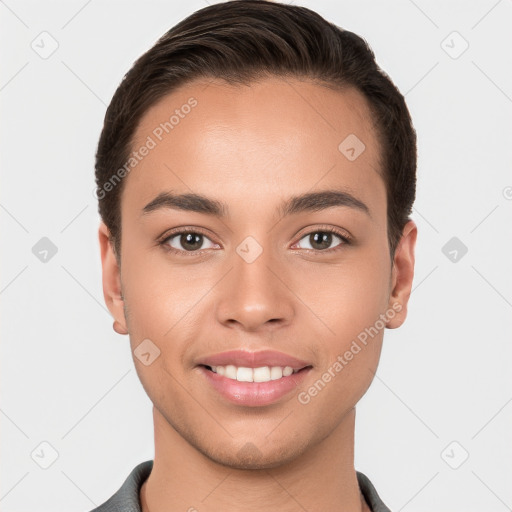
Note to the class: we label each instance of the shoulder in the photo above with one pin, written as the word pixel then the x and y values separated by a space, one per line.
pixel 126 498
pixel 370 494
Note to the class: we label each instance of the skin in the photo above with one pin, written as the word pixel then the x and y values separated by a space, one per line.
pixel 252 147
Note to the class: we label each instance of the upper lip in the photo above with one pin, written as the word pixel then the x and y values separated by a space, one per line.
pixel 250 359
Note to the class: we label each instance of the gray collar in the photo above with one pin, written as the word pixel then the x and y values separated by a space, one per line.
pixel 126 499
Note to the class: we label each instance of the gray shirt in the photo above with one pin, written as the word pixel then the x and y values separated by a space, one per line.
pixel 126 499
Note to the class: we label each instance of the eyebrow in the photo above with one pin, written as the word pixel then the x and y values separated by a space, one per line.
pixel 308 202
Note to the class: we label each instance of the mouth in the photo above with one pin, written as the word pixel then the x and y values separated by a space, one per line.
pixel 252 379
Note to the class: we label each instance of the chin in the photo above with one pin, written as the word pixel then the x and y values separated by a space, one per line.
pixel 249 456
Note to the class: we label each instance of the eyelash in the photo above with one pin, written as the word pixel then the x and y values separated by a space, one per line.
pixel 347 240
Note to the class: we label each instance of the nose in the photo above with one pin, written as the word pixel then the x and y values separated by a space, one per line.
pixel 254 296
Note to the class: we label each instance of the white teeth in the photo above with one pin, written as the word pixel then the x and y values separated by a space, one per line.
pixel 230 372
pixel 244 374
pixel 288 370
pixel 276 372
pixel 261 374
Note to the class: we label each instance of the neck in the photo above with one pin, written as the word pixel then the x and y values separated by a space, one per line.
pixel 322 478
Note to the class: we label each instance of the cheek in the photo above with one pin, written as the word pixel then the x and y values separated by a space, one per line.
pixel 348 297
pixel 338 387
pixel 350 302
pixel 350 305
pixel 159 294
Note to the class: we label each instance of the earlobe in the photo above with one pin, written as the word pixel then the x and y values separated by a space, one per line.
pixel 119 328
pixel 111 280
pixel 402 275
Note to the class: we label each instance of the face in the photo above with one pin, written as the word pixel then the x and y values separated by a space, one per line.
pixel 252 239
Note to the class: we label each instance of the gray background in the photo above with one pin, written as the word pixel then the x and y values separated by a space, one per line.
pixel 443 389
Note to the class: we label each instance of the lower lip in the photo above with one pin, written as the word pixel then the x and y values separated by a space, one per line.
pixel 254 394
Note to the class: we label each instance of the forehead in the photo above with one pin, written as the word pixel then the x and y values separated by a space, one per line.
pixel 247 144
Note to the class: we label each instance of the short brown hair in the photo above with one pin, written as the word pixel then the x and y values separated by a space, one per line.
pixel 241 40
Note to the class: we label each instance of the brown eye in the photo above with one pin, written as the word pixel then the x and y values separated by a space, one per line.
pixel 322 240
pixel 188 241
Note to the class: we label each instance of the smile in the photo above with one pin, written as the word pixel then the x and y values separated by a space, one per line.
pixel 254 387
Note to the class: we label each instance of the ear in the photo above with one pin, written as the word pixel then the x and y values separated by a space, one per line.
pixel 402 275
pixel 111 280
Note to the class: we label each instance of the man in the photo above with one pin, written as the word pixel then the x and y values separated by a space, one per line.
pixel 255 175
